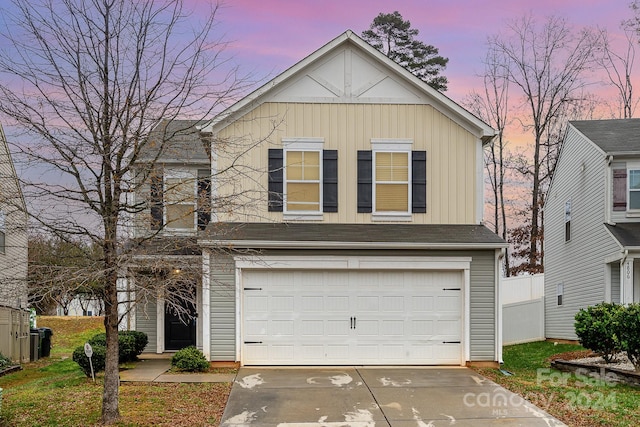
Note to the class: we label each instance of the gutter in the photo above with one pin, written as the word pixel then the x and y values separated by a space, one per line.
pixel 245 244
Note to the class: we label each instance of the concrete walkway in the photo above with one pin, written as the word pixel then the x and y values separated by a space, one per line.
pixel 154 370
pixel 375 397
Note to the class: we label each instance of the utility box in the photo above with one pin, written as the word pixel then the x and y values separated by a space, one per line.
pixel 34 338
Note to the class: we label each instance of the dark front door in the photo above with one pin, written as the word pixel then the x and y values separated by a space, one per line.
pixel 180 325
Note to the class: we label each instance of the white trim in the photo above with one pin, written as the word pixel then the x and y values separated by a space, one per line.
pixel 498 301
pixel 466 317
pixel 205 315
pixel 275 262
pixel 632 212
pixel 391 217
pixel 308 146
pixel 160 323
pixel 303 143
pixel 391 144
pixel 239 309
pixel 300 216
pixel 480 187
pixel 256 262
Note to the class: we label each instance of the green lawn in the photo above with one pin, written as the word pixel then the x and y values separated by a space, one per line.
pixel 55 392
pixel 576 400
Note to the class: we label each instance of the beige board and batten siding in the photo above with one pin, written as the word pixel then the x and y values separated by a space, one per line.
pixel 482 299
pixel 578 264
pixel 451 154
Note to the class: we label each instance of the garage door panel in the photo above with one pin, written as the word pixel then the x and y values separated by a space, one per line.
pixel 307 317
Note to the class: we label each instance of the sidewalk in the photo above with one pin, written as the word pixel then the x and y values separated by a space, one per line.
pixel 154 370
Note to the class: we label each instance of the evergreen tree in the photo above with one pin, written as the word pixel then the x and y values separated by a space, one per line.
pixel 394 37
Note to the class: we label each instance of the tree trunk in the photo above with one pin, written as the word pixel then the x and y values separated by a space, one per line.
pixel 110 395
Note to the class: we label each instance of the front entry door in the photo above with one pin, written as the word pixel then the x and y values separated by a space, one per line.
pixel 180 329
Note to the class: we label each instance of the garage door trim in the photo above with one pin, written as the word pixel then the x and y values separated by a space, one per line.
pixel 356 263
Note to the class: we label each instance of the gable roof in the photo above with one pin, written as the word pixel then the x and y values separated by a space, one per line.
pixel 345 236
pixel 349 38
pixel 16 197
pixel 621 136
pixel 180 141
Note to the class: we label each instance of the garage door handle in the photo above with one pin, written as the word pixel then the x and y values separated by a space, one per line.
pixel 451 289
pixel 253 342
pixel 450 342
pixel 353 323
pixel 252 289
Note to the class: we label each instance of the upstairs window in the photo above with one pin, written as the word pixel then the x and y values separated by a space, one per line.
pixel 634 189
pixel 180 200
pixel 391 184
pixel 302 183
pixel 567 221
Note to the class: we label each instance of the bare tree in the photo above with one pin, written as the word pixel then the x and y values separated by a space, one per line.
pixel 85 81
pixel 493 107
pixel 619 66
pixel 546 65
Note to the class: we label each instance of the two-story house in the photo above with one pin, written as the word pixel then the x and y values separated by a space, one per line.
pixel 14 299
pixel 592 222
pixel 356 234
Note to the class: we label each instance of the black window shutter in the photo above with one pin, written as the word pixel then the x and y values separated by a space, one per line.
pixel 419 181
pixel 276 188
pixel 156 205
pixel 619 189
pixel 330 181
pixel 204 199
pixel 365 186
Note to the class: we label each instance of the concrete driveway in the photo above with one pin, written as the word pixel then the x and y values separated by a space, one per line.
pixel 368 397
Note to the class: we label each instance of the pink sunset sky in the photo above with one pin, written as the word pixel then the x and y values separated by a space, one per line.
pixel 268 36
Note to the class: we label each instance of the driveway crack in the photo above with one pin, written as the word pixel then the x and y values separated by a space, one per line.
pixel 373 396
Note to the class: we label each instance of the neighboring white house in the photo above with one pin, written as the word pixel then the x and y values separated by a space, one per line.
pixel 592 222
pixel 14 319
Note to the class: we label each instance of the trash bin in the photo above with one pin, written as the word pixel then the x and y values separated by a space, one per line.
pixel 34 338
pixel 45 341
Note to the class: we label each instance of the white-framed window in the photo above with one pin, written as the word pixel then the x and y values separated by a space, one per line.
pixel 3 231
pixel 567 220
pixel 180 196
pixel 559 292
pixel 391 177
pixel 302 176
pixel 633 187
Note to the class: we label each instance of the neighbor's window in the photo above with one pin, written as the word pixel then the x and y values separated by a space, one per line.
pixel 567 221
pixel 560 292
pixel 180 201
pixel 302 181
pixel 2 232
pixel 391 181
pixel 634 189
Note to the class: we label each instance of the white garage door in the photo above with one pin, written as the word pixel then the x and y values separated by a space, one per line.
pixel 309 317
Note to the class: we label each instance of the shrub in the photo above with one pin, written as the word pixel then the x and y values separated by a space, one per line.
pixel 98 359
pixel 628 321
pixel 596 328
pixel 5 362
pixel 141 340
pixel 130 344
pixel 190 359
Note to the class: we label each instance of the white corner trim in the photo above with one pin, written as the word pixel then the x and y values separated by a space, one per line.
pixel 160 323
pixel 239 309
pixel 466 321
pixel 480 187
pixel 206 304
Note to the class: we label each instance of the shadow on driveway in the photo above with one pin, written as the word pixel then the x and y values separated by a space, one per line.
pixel 368 397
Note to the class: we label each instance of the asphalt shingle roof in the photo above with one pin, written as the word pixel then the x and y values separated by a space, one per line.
pixel 429 234
pixel 182 143
pixel 612 136
pixel 627 233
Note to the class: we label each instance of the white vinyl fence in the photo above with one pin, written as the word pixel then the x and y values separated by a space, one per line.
pixel 522 309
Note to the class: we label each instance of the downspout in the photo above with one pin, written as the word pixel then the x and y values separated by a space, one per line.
pixel 499 259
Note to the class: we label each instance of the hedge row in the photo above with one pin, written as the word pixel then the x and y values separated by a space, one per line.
pixel 130 345
pixel 609 328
